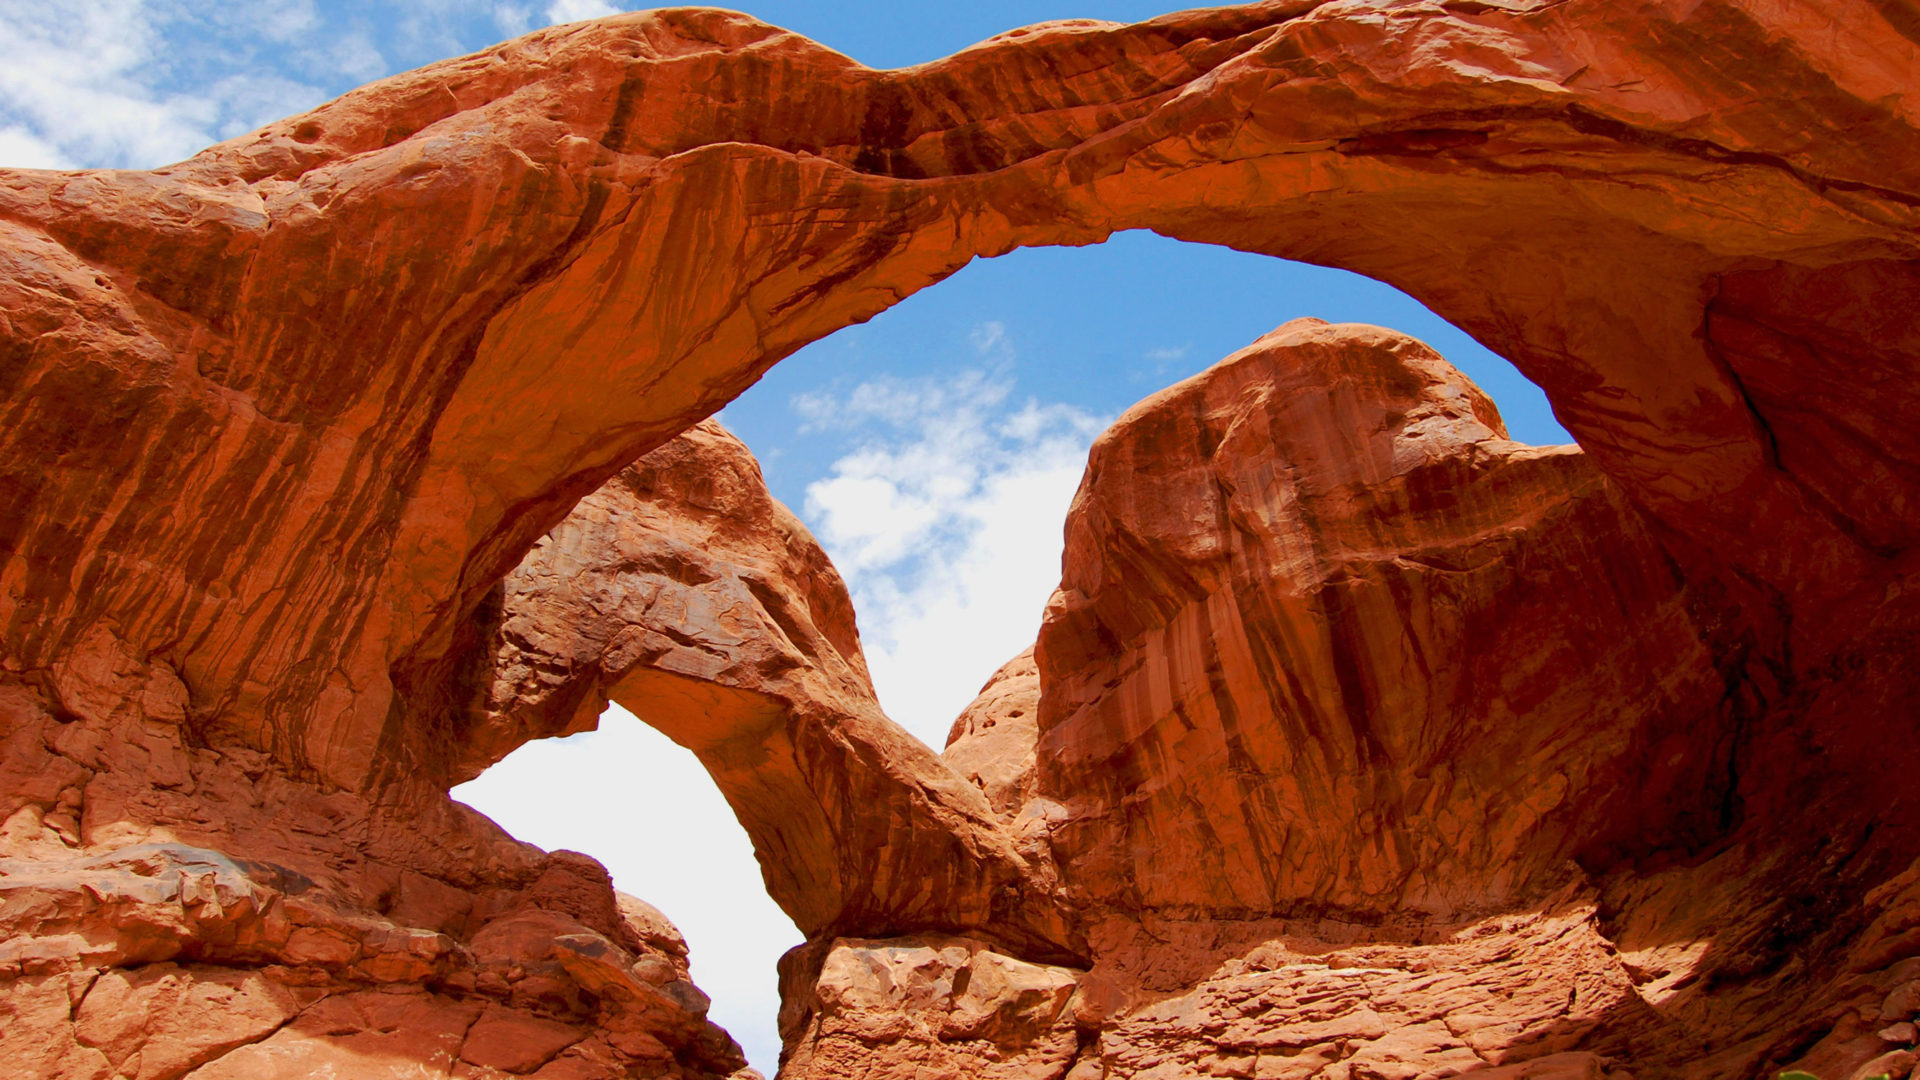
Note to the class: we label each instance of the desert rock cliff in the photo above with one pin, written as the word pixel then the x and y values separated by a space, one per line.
pixel 1410 720
pixel 1367 742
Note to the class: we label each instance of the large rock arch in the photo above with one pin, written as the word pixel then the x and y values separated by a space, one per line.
pixel 543 225
pixel 281 416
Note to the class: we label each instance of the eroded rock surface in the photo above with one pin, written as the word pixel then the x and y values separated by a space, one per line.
pixel 278 420
pixel 164 960
pixel 359 447
pixel 686 592
pixel 992 742
pixel 169 910
pixel 1349 733
pixel 927 1007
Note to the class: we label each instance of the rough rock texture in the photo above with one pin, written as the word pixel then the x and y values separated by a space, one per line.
pixel 171 910
pixel 492 286
pixel 992 743
pixel 277 421
pixel 1334 663
pixel 927 1008
pixel 164 960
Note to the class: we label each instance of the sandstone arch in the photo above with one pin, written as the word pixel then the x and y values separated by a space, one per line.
pixel 280 417
pixel 685 592
pixel 1463 152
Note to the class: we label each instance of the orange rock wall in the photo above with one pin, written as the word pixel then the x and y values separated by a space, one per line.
pixel 1366 742
pixel 280 418
pixel 1327 641
pixel 330 514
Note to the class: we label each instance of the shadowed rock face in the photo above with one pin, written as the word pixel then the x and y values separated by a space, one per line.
pixel 279 419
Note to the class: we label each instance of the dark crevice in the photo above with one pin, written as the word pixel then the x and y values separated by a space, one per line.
pixel 1432 133
pixel 1818 501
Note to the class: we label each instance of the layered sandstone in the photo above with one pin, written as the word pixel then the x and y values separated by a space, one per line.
pixel 279 420
pixel 992 741
pixel 1336 676
pixel 1326 640
pixel 166 960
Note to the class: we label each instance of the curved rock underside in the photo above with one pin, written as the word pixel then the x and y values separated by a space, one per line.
pixel 684 591
pixel 1365 742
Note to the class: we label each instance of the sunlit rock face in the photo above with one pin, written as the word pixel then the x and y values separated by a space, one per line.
pixel 991 743
pixel 279 420
pixel 1326 640
pixel 1338 685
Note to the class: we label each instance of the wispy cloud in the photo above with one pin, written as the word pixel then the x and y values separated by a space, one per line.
pixel 143 83
pixel 513 19
pixel 991 342
pixel 946 521
pixel 574 10
pixel 110 84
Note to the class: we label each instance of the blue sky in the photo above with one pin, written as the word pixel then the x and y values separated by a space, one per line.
pixel 932 449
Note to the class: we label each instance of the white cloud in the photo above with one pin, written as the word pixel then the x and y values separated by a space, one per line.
pixel 899 401
pixel 564 11
pixel 247 101
pixel 947 527
pixel 643 806
pixel 352 53
pixel 98 85
pixel 22 149
pixel 990 340
pixel 513 19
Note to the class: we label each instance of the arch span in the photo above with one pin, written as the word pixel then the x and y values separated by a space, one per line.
pixel 685 592
pixel 386 344
pixel 281 417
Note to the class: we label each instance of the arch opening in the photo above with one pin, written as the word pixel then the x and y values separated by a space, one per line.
pixel 645 807
pixel 1700 344
pixel 934 451
pixel 934 448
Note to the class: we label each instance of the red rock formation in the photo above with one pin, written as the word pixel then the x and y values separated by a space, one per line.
pixel 1327 641
pixel 1355 725
pixel 171 910
pixel 332 511
pixel 278 419
pixel 165 960
pixel 685 592
pixel 1336 684
pixel 992 743
pixel 928 1006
